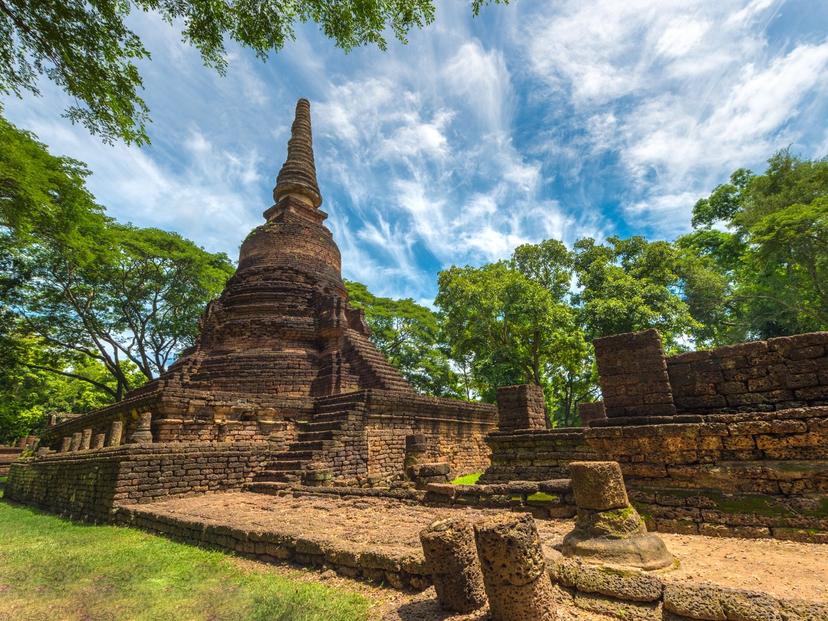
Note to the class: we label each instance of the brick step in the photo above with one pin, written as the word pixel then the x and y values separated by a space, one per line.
pixel 268 487
pixel 333 425
pixel 281 465
pixel 309 445
pixel 272 476
pixel 305 436
pixel 340 417
pixel 349 398
pixel 291 455
pixel 344 406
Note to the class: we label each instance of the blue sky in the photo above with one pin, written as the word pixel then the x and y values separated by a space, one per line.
pixel 537 120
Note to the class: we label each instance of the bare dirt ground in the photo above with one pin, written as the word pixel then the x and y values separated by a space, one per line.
pixel 782 568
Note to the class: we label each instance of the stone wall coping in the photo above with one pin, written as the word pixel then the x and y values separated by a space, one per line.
pixel 126 451
pixel 815 411
pixel 376 395
pixel 563 432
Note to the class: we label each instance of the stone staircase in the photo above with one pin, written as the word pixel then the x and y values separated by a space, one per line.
pixel 370 365
pixel 308 460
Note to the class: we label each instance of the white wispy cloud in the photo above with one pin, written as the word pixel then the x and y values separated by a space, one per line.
pixel 681 92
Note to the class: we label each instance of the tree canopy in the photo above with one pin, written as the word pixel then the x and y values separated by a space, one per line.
pixel 92 293
pixel 87 49
pixel 761 243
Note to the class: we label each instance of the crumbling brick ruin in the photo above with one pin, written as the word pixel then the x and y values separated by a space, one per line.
pixel 281 363
pixel 731 441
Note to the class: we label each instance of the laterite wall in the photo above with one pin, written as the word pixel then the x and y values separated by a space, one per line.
pixel 89 484
pixel 749 474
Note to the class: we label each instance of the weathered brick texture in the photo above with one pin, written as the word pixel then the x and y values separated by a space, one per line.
pixel 521 407
pixel 751 474
pixel 633 375
pixel 89 485
pixel 776 374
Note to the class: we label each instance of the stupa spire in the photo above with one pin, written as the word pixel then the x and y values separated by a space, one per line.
pixel 298 174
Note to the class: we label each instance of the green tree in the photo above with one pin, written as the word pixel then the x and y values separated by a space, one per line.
pixel 87 49
pixel 632 284
pixel 511 330
pixel 410 337
pixel 86 285
pixel 36 380
pixel 761 242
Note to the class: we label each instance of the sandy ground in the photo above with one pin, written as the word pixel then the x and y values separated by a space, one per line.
pixel 781 568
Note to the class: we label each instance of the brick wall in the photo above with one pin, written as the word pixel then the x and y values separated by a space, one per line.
pixel 633 375
pixel 535 455
pixel 779 373
pixel 455 431
pixel 744 474
pixel 88 485
pixel 521 407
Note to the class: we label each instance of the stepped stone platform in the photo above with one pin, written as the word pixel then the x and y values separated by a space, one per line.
pixel 378 539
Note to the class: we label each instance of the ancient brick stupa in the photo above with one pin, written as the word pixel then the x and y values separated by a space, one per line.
pixel 279 340
pixel 282 330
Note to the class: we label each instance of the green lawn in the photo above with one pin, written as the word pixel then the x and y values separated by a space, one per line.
pixel 51 568
pixel 467 479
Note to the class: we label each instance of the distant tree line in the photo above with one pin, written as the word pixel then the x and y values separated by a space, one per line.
pixel 91 308
pixel 754 266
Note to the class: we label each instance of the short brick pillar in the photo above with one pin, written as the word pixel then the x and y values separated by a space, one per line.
pixel 591 412
pixel 514 569
pixel 99 440
pixel 86 439
pixel 451 557
pixel 66 444
pixel 76 441
pixel 521 407
pixel 633 376
pixel 115 432
pixel 143 432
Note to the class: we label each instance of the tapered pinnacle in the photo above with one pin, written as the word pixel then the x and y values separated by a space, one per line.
pixel 298 173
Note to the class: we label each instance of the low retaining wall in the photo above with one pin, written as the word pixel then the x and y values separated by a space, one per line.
pixel 652 596
pixel 749 475
pixel 402 571
pixel 89 485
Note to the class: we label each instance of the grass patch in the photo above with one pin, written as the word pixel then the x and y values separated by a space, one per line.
pixel 51 568
pixel 541 497
pixel 467 479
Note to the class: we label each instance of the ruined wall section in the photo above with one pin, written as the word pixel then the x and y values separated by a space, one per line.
pixel 89 485
pixel 776 374
pixel 535 455
pixel 754 474
pixel 373 441
pixel 633 375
